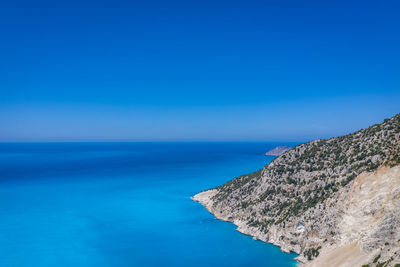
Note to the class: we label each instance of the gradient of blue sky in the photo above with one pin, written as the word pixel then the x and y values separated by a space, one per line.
pixel 196 70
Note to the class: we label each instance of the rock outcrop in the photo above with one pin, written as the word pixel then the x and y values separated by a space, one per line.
pixel 335 202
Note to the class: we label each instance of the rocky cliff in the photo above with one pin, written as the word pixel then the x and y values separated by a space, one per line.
pixel 335 202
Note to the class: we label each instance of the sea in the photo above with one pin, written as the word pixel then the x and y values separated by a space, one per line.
pixel 124 204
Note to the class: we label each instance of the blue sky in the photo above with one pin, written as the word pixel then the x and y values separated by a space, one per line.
pixel 196 70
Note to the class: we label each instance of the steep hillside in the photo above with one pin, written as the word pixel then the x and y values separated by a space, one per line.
pixel 321 196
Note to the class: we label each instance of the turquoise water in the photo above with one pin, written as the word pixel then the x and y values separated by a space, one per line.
pixel 123 204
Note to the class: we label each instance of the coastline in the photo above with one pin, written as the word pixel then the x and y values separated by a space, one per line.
pixel 353 245
pixel 205 199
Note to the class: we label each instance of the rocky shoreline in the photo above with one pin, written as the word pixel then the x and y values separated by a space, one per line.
pixel 205 199
pixel 360 231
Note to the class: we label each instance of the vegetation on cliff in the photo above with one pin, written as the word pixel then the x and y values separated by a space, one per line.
pixel 306 175
pixel 300 185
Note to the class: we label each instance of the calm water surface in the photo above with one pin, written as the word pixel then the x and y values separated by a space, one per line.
pixel 124 204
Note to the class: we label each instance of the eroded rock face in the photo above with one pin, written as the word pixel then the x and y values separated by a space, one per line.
pixel 322 198
pixel 368 223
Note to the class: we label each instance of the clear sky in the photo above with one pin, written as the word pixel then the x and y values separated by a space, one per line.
pixel 274 70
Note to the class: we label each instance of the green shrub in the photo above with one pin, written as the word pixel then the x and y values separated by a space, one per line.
pixel 377 258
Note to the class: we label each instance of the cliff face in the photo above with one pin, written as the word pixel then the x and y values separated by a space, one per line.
pixel 323 198
pixel 368 220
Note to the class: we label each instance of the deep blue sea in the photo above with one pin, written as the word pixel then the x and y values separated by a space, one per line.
pixel 124 204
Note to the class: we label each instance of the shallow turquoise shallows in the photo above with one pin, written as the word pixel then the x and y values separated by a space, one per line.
pixel 124 204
